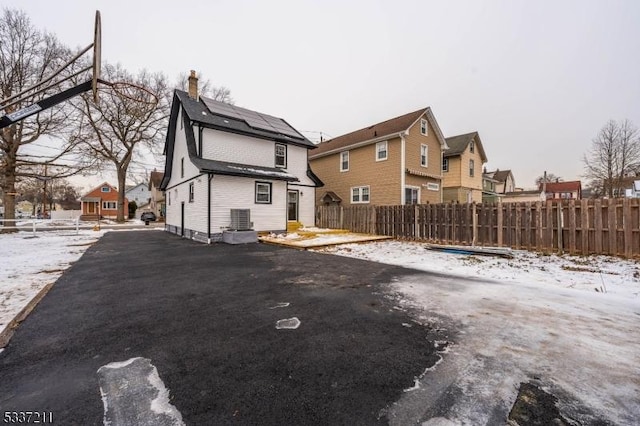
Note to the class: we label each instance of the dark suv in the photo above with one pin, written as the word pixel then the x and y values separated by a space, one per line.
pixel 148 216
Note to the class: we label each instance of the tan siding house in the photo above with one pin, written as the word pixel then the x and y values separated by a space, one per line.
pixel 397 161
pixel 462 167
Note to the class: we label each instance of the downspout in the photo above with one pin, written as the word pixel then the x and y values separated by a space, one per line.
pixel 403 167
pixel 209 179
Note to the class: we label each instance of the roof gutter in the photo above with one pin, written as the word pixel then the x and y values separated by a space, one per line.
pixel 357 145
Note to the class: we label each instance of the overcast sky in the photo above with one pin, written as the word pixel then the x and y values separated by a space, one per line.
pixel 536 79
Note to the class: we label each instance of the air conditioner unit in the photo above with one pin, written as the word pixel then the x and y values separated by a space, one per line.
pixel 241 220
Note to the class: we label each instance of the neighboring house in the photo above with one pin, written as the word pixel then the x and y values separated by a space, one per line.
pixel 521 196
pixel 571 190
pixel 462 167
pixel 505 182
pixel 489 194
pixel 397 161
pixel 102 202
pixel 221 157
pixel 138 193
pixel 633 192
pixel 156 202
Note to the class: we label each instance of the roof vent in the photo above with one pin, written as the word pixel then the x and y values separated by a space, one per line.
pixel 241 220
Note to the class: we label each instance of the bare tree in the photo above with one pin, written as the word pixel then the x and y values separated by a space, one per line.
pixel 129 119
pixel 614 154
pixel 27 56
pixel 550 178
pixel 206 88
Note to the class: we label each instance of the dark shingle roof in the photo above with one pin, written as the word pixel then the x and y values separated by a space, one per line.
pixel 458 144
pixel 501 175
pixel 155 178
pixel 384 128
pixel 198 112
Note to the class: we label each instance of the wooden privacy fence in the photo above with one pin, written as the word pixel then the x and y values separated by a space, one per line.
pixel 607 226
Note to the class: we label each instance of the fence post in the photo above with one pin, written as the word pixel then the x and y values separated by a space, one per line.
pixel 560 218
pixel 584 226
pixel 626 223
pixel 341 215
pixel 77 225
pixel 474 224
pixel 611 211
pixel 499 223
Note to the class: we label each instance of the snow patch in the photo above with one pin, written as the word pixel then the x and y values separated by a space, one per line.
pixel 288 324
pixel 280 305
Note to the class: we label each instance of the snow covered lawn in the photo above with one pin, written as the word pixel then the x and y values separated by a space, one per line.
pixel 28 264
pixel 568 325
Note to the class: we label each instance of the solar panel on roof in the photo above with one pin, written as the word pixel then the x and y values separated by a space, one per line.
pixel 254 119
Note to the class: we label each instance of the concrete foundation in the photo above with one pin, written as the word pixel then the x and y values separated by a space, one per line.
pixel 239 237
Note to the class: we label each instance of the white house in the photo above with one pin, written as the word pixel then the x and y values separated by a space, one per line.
pixel 221 157
pixel 139 193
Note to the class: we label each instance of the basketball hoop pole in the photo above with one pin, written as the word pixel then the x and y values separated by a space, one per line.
pixel 34 108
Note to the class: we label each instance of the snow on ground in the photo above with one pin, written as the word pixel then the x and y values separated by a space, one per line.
pixel 531 318
pixel 604 273
pixel 316 238
pixel 29 263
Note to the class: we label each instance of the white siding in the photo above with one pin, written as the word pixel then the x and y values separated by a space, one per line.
pixel 230 192
pixel 297 164
pixel 234 148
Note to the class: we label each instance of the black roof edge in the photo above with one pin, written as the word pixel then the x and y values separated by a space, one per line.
pixel 314 177
pixel 170 141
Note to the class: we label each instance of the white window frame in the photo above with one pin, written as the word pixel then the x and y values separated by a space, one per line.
pixel 192 192
pixel 105 188
pixel 379 145
pixel 472 147
pixel 445 161
pixel 472 168
pixel 412 188
pixel 424 127
pixel 359 192
pixel 268 192
pixel 342 161
pixel 424 159
pixel 182 167
pixel 283 156
pixel 106 204
pixel 431 186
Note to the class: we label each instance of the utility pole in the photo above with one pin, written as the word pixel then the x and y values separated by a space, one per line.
pixel 44 193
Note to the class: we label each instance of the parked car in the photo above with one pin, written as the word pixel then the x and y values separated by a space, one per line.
pixel 148 216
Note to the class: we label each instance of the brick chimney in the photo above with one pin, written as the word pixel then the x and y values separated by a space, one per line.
pixel 193 85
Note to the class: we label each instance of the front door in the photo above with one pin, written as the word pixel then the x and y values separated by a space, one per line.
pixel 292 210
pixel 91 207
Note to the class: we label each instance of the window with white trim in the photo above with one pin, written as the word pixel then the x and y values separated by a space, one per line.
pixel 105 189
pixel 411 195
pixel 471 166
pixel 424 127
pixel 472 147
pixel 359 194
pixel 192 192
pixel 182 167
pixel 263 193
pixel 281 155
pixel 445 164
pixel 109 205
pixel 424 155
pixel 381 151
pixel 344 161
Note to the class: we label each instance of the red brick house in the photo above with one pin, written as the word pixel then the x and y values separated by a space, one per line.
pixel 102 202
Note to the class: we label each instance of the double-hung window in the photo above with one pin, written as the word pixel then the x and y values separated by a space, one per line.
pixel 191 192
pixel 424 127
pixel 344 161
pixel 381 151
pixel 424 154
pixel 445 164
pixel 281 155
pixel 411 195
pixel 359 194
pixel 109 205
pixel 105 189
pixel 472 147
pixel 471 171
pixel 263 193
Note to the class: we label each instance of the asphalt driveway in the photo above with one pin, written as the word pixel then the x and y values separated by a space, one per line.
pixel 205 316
